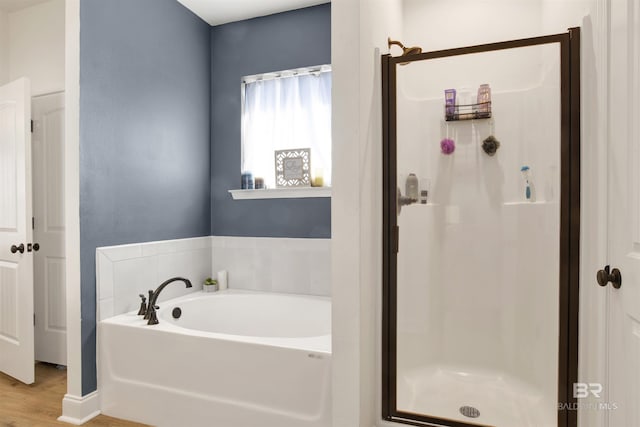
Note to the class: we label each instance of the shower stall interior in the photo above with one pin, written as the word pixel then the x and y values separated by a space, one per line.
pixel 481 231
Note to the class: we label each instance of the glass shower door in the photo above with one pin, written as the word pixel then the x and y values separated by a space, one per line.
pixel 478 260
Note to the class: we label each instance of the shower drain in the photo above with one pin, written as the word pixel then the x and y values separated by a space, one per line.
pixel 469 411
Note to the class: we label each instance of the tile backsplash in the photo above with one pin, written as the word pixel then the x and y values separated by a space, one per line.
pixel 301 266
pixel 284 265
pixel 124 272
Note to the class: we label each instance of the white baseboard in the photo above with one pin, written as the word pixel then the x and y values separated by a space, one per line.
pixel 78 410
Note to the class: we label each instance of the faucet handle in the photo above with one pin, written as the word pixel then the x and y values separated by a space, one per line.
pixel 143 306
pixel 153 318
pixel 147 311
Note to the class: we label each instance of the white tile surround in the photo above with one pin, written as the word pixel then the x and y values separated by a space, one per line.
pixel 123 272
pixel 285 265
pixel 300 266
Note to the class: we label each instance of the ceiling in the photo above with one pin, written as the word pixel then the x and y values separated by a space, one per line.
pixel 13 5
pixel 217 12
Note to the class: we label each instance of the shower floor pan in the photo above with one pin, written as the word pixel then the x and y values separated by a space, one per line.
pixel 500 399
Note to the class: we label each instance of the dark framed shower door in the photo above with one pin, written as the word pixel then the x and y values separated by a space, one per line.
pixel 569 227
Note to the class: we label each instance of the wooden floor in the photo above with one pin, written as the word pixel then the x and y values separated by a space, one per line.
pixel 40 404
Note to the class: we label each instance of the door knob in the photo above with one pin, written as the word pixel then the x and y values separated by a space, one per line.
pixel 605 276
pixel 15 248
pixel 36 247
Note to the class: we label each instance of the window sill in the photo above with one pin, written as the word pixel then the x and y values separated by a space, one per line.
pixel 281 193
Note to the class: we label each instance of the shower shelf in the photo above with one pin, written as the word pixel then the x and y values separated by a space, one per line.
pixel 424 205
pixel 524 203
pixel 468 112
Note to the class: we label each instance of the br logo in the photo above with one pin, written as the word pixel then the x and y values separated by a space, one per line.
pixel 583 390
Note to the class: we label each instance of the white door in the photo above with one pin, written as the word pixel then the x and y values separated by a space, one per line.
pixel 624 216
pixel 16 262
pixel 48 228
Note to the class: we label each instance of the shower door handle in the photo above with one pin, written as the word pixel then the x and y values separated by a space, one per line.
pixel 396 239
pixel 605 276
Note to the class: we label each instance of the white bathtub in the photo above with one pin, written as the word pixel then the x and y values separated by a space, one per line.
pixel 233 359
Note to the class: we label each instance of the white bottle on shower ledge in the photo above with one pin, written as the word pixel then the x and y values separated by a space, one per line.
pixel 412 188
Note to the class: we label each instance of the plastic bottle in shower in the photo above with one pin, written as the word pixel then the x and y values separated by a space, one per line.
pixel 465 105
pixel 484 100
pixel 425 184
pixel 411 187
pixel 529 191
pixel 450 103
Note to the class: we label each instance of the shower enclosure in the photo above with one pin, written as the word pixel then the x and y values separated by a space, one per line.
pixel 481 232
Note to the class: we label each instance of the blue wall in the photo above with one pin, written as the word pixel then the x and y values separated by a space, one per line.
pixel 283 41
pixel 144 134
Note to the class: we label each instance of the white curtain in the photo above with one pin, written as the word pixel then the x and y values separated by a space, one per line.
pixel 287 113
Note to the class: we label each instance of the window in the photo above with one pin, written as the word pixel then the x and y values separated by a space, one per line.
pixel 287 110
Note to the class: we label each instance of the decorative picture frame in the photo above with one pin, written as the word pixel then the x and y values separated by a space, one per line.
pixel 293 167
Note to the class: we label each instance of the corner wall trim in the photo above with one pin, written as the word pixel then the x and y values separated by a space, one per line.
pixel 78 410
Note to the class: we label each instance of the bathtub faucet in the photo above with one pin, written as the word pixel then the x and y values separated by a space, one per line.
pixel 153 298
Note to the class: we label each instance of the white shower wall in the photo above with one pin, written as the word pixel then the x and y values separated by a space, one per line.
pixel 478 266
pixel 435 24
